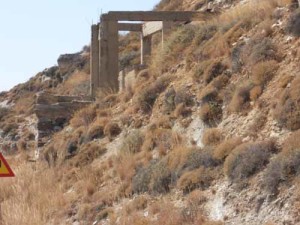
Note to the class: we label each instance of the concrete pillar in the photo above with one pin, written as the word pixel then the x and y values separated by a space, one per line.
pixel 109 52
pixel 166 27
pixel 94 60
pixel 146 45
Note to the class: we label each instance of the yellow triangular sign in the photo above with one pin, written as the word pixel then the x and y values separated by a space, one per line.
pixel 5 170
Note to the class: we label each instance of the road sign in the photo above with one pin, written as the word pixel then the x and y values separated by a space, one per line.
pixel 5 170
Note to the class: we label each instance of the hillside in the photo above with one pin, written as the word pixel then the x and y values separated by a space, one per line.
pixel 207 134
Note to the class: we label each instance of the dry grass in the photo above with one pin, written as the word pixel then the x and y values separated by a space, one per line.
pixel 241 98
pixel 287 110
pixel 149 93
pixel 211 113
pixel 112 130
pixel 196 179
pixel 212 137
pixel 96 129
pixel 263 72
pixel 84 117
pixel 30 194
pixel 226 147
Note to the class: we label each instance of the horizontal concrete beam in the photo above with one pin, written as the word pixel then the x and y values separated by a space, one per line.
pixel 155 16
pixel 137 27
pixel 150 28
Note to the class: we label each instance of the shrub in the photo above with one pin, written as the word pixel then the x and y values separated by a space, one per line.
pixel 212 137
pixel 133 142
pixel 183 96
pixel 3 112
pixel 263 72
pixel 293 24
pixel 112 130
pixel 246 159
pixel 148 95
pixel 155 178
pixel 182 110
pixel 169 100
pixel 200 158
pixel 261 49
pixel 240 98
pixel 199 178
pixel 226 147
pixel 162 139
pixel 84 117
pixel 96 130
pixel 255 92
pixel 211 113
pixel 287 110
pixel 213 71
pixel 87 154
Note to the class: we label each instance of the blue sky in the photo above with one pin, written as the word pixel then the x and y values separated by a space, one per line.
pixel 33 33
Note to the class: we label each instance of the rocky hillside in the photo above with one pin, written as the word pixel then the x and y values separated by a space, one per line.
pixel 208 134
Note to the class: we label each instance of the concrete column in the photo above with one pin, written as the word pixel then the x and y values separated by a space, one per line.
pixel 109 52
pixel 166 27
pixel 146 45
pixel 94 60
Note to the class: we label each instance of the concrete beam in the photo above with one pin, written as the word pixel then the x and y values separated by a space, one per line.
pixel 94 60
pixel 136 27
pixel 150 28
pixel 155 16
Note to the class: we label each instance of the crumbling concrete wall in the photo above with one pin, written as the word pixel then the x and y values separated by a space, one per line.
pixel 54 112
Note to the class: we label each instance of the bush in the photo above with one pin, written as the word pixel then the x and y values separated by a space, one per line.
pixel 287 110
pixel 148 95
pixel 263 72
pixel 96 130
pixel 293 24
pixel 3 112
pixel 87 154
pixel 84 117
pixel 261 49
pixel 212 137
pixel 211 113
pixel 240 98
pixel 247 159
pixel 133 142
pixel 214 70
pixel 155 178
pixel 226 147
pixel 199 178
pixel 112 130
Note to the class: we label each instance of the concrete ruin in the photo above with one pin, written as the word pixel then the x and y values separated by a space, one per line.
pixel 105 35
pixel 53 111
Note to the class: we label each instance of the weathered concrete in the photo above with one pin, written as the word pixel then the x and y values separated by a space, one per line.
pixel 151 28
pixel 146 46
pixel 54 112
pixel 155 16
pixel 109 52
pixel 94 60
pixel 105 48
pixel 135 27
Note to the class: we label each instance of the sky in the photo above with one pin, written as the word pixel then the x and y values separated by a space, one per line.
pixel 33 33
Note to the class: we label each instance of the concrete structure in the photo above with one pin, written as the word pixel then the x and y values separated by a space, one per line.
pixel 54 111
pixel 105 47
